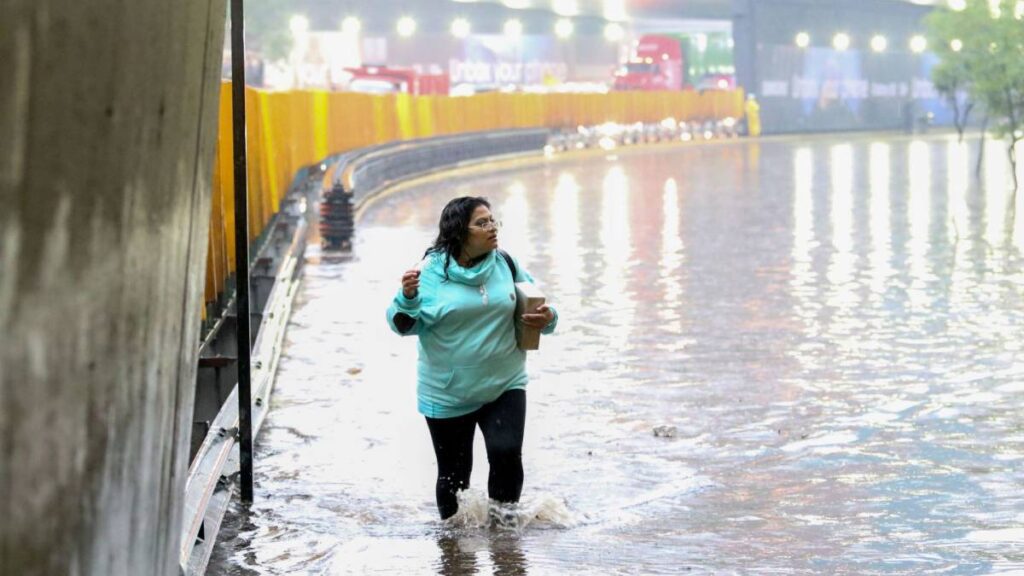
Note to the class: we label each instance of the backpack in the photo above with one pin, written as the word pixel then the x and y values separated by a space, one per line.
pixel 511 264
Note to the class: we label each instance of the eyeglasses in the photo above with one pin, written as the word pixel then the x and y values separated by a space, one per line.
pixel 486 225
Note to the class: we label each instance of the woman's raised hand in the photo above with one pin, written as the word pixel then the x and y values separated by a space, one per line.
pixel 540 317
pixel 411 283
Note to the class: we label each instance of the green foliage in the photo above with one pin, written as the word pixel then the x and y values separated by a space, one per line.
pixel 989 64
pixel 266 27
pixel 953 72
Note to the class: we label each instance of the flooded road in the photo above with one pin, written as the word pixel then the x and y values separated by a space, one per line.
pixel 829 329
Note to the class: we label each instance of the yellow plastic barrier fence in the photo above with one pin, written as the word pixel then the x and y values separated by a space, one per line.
pixel 290 130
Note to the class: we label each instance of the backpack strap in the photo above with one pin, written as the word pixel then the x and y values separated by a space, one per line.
pixel 511 264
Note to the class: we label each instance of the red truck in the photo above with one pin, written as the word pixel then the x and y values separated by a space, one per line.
pixel 663 62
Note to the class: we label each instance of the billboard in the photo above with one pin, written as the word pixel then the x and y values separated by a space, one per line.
pixel 499 60
pixel 820 88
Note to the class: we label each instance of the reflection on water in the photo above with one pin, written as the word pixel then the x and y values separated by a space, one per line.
pixel 958 182
pixel 514 213
pixel 671 258
pixel 802 266
pixel 567 256
pixel 616 246
pixel 880 217
pixel 460 555
pixel 832 330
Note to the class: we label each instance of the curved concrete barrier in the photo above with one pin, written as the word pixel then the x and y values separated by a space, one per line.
pixel 353 178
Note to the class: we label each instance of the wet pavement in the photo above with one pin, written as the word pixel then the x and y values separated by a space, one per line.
pixel 829 330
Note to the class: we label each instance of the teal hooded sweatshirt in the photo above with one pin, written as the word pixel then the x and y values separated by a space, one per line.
pixel 467 346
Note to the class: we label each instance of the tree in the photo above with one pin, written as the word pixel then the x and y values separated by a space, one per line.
pixel 951 76
pixel 982 49
pixel 951 80
pixel 1000 83
pixel 266 26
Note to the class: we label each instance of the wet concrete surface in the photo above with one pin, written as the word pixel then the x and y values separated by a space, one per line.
pixel 830 328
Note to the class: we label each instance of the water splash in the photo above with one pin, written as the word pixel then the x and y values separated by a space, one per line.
pixel 542 511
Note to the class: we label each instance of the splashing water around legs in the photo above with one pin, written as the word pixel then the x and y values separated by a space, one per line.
pixel 542 511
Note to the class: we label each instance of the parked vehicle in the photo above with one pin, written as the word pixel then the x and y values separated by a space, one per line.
pixel 679 62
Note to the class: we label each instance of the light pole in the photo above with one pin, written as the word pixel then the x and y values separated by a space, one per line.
pixel 241 250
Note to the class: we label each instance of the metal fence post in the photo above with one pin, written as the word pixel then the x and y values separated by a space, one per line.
pixel 241 250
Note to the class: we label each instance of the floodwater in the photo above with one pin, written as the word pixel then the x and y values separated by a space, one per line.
pixel 829 328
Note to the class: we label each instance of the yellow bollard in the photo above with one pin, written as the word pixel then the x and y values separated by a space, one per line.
pixel 752 111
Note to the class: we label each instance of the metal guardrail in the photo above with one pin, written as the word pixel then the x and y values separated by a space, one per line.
pixel 353 178
pixel 215 461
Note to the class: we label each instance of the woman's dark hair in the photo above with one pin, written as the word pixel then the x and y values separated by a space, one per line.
pixel 453 228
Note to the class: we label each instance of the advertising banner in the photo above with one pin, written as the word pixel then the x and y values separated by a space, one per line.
pixel 500 60
pixel 821 88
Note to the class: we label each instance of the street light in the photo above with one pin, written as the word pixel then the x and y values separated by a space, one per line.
pixel 351 25
pixel 566 7
pixel 803 40
pixel 614 32
pixel 406 27
pixel 958 5
pixel 564 28
pixel 513 28
pixel 460 28
pixel 299 25
pixel 995 8
pixel 841 41
pixel 918 44
pixel 956 45
pixel 879 43
pixel 614 10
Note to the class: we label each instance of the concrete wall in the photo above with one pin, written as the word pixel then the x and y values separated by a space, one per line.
pixel 108 117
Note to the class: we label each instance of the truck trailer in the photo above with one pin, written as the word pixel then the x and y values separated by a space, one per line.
pixel 679 62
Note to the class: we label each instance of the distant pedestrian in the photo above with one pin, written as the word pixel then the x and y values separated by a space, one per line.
pixel 460 302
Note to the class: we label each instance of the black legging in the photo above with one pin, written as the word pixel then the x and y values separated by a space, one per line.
pixel 502 423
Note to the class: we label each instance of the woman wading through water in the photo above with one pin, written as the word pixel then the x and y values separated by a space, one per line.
pixel 460 302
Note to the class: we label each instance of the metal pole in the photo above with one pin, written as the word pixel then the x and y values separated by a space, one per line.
pixel 241 249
